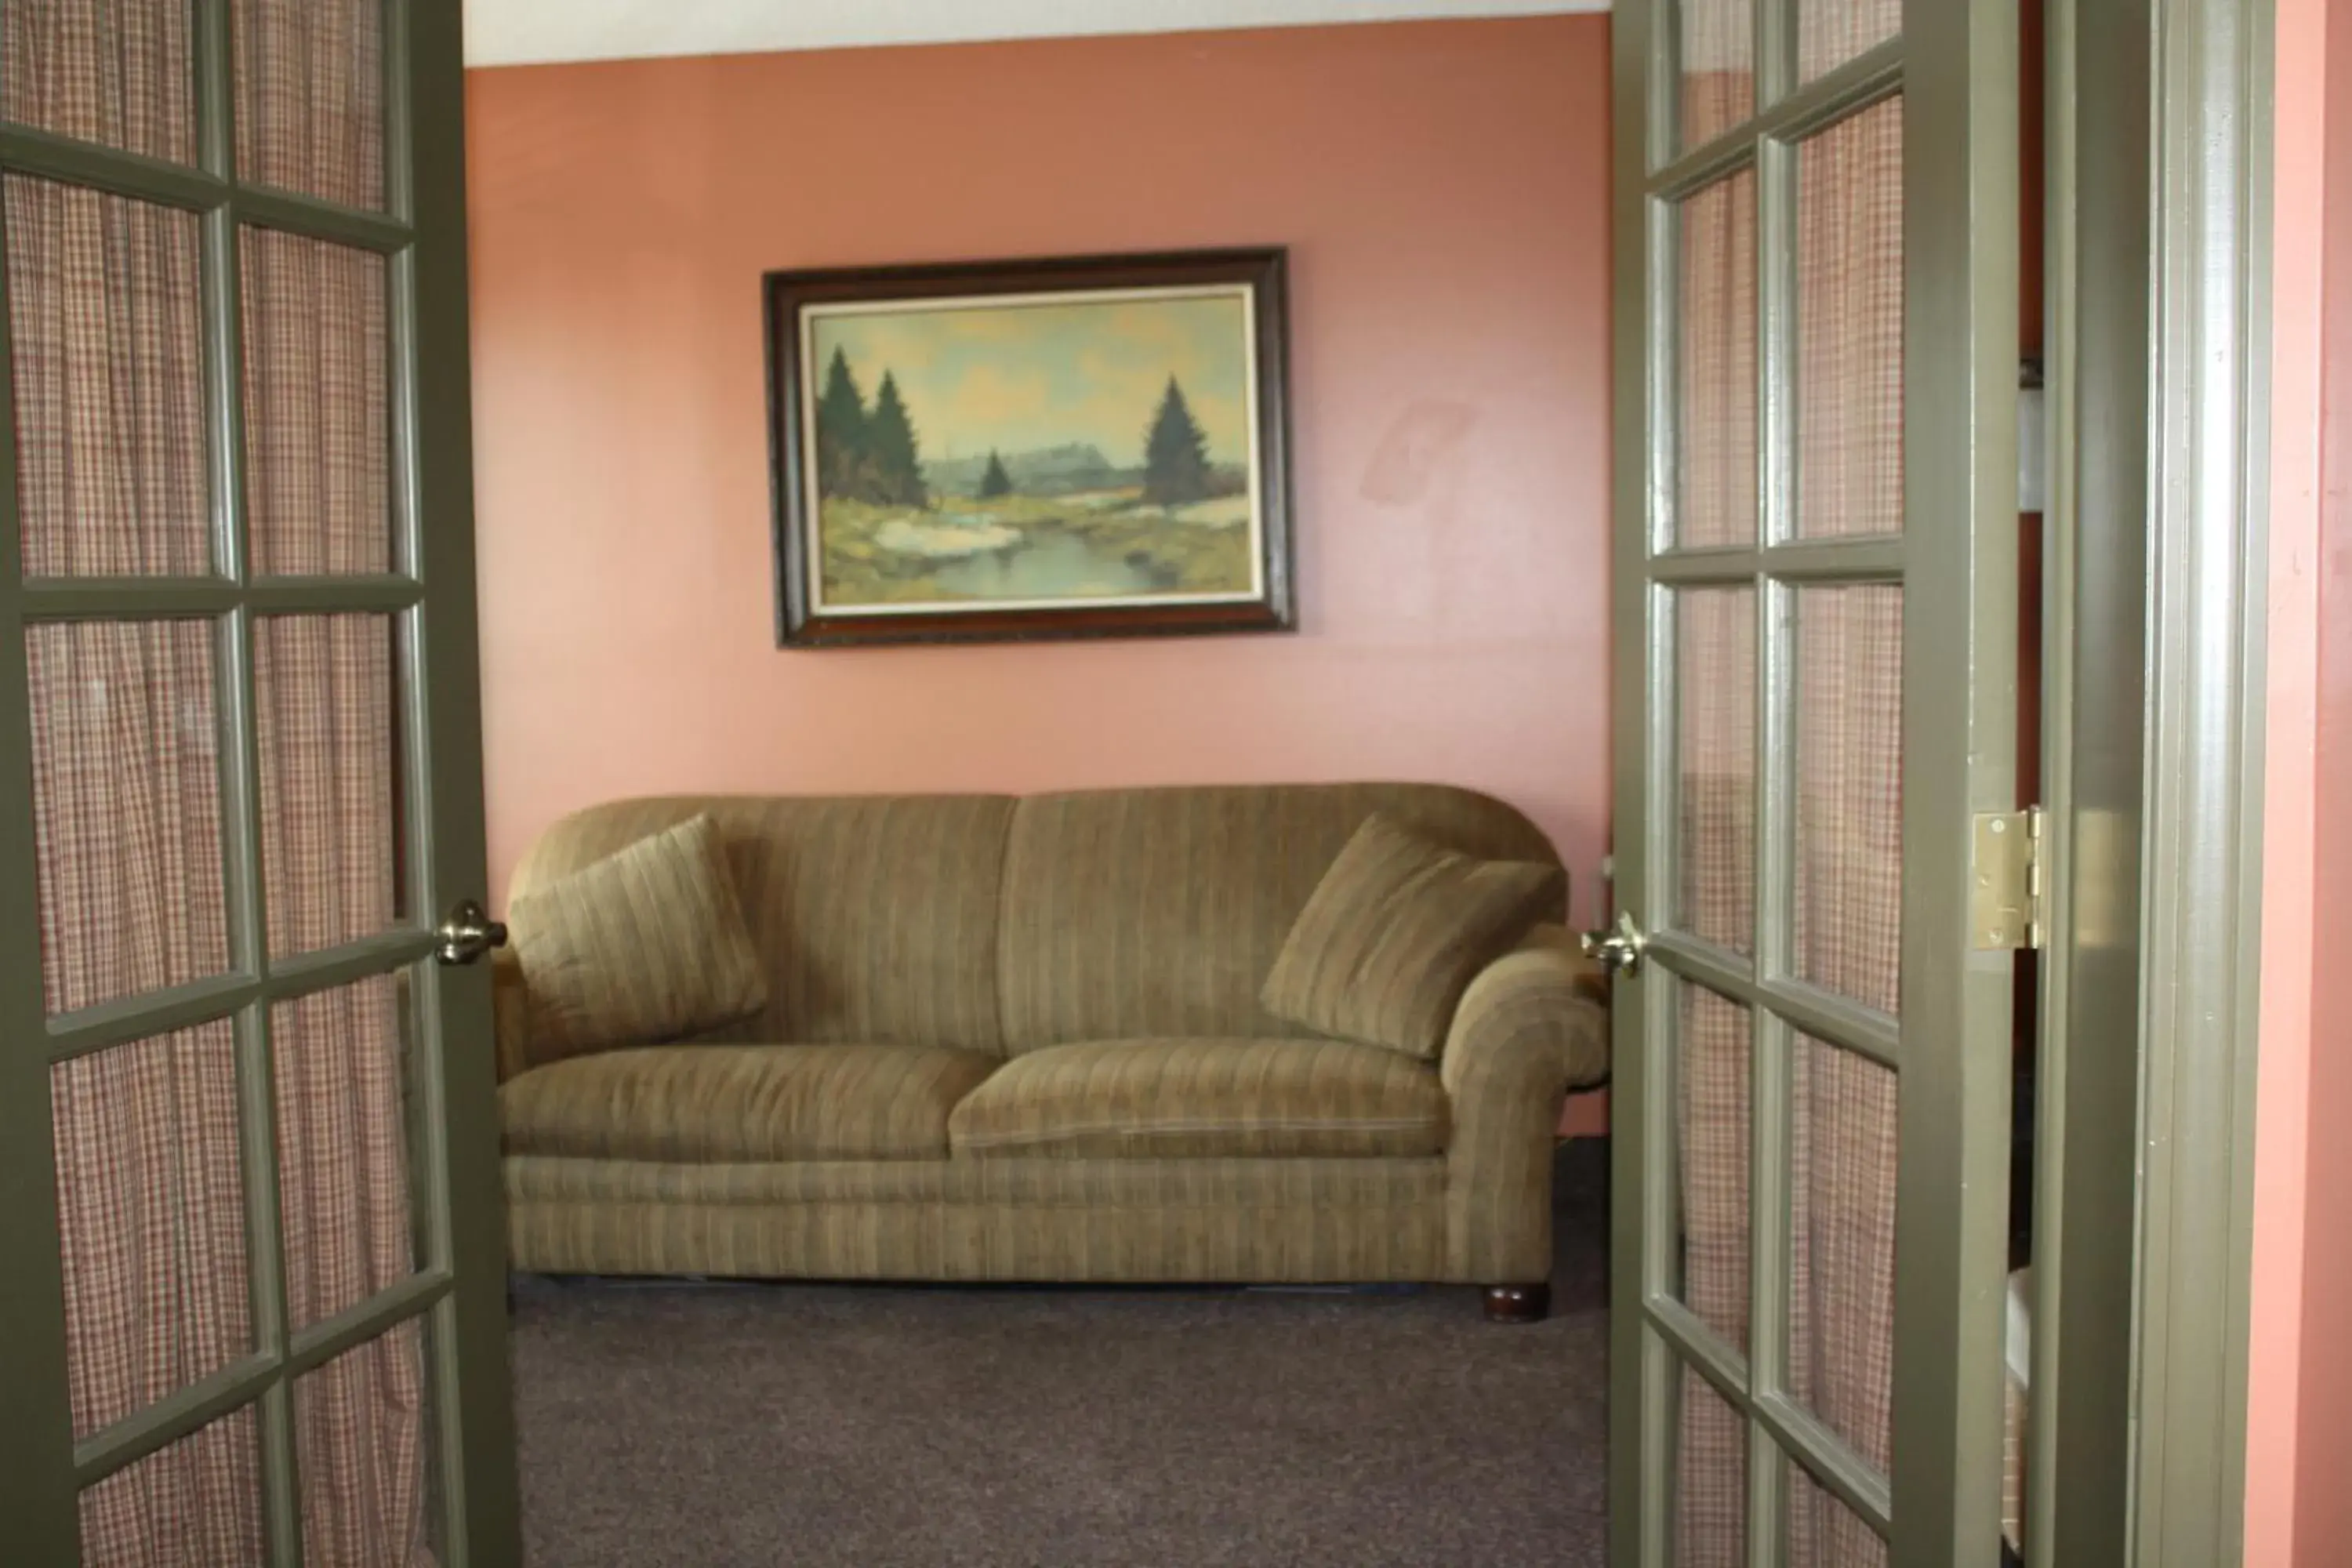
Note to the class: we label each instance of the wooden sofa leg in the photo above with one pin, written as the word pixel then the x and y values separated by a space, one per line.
pixel 1517 1303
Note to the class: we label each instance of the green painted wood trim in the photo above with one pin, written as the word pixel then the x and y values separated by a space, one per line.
pixel 1827 1016
pixel 1642 1377
pixel 1828 98
pixel 2094 565
pixel 2206 439
pixel 60 158
pixel 464 1188
pixel 148 598
pixel 1960 623
pixel 1797 561
pixel 36 1480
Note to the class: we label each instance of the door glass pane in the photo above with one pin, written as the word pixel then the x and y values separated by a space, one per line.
pixel 1710 1479
pixel 1849 847
pixel 126 800
pixel 116 72
pixel 310 97
pixel 1831 32
pixel 1715 405
pixel 1842 1281
pixel 151 1203
pixel 1850 327
pixel 1715 695
pixel 1712 1128
pixel 317 409
pixel 105 317
pixel 1717 55
pixel 324 713
pixel 196 1501
pixel 364 1440
pixel 1822 1532
pixel 344 1081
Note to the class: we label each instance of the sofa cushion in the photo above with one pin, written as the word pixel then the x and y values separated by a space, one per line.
pixel 1396 931
pixel 734 1104
pixel 646 945
pixel 1155 913
pixel 874 915
pixel 1206 1099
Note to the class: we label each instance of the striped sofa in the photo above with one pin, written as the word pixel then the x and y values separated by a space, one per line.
pixel 1021 1039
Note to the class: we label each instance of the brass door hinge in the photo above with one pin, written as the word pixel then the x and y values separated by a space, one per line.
pixel 2005 882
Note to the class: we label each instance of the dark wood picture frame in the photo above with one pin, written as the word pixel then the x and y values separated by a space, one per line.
pixel 802 618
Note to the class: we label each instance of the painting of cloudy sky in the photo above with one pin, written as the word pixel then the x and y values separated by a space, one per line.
pixel 1056 451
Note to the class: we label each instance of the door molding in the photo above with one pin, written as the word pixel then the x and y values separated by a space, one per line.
pixel 2160 227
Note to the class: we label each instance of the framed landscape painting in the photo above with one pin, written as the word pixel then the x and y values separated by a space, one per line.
pixel 1095 447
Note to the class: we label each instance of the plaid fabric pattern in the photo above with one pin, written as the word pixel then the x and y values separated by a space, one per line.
pixel 195 1503
pixel 310 97
pixel 1850 326
pixel 323 706
pixel 318 410
pixel 1711 1522
pixel 118 73
pixel 1716 58
pixel 104 318
pixel 1841 1285
pixel 1831 32
pixel 112 468
pixel 361 1431
pixel 1822 1532
pixel 1715 725
pixel 1715 403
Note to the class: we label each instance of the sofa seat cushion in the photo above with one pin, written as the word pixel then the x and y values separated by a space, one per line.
pixel 737 1104
pixel 1218 1098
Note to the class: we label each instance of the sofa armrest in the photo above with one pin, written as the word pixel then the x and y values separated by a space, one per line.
pixel 509 1013
pixel 1532 1026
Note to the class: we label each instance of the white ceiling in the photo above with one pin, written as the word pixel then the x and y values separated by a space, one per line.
pixel 522 32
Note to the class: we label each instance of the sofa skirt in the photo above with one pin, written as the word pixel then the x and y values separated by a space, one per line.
pixel 1045 1220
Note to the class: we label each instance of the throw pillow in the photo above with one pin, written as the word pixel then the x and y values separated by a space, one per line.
pixel 1396 931
pixel 644 946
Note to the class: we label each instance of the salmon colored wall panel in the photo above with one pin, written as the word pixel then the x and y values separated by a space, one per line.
pixel 2280 1351
pixel 1443 188
pixel 2323 1526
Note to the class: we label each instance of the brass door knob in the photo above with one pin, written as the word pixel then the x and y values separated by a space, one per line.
pixel 1617 948
pixel 468 934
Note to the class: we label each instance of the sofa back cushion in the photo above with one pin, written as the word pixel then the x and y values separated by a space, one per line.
pixel 1134 914
pixel 875 915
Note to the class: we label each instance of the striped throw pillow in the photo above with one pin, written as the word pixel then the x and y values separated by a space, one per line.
pixel 644 946
pixel 1394 934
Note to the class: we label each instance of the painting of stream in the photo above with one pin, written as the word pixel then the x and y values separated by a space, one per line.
pixel 1043 451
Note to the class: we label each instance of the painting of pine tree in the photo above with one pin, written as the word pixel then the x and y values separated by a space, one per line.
pixel 1034 450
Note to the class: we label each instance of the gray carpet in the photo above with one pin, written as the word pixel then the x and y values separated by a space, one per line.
pixel 862 1426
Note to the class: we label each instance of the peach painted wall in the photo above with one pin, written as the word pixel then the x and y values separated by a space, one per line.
pixel 2288 1368
pixel 1443 190
pixel 2323 1530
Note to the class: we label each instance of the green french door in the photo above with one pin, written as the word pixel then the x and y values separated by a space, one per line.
pixel 251 1259
pixel 1816 601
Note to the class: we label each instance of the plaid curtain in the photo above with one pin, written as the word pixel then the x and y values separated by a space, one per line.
pixel 1848 900
pixel 106 357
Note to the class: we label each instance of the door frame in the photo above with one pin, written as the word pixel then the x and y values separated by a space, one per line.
pixel 2158 158
pixel 2160 140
